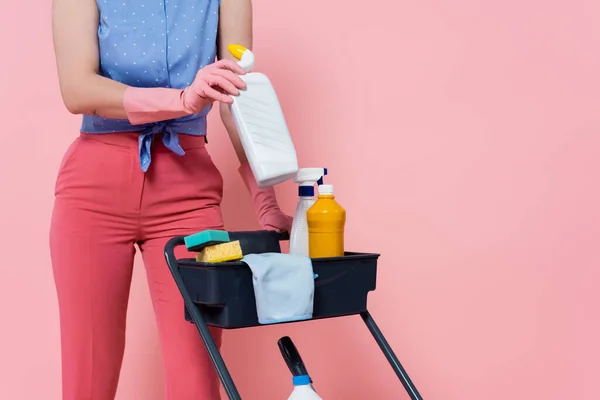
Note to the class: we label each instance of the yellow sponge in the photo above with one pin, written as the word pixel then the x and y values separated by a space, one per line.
pixel 223 252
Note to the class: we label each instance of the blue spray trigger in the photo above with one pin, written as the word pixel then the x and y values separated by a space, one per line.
pixel 320 181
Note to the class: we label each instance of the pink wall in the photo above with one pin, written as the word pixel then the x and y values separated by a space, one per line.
pixel 474 169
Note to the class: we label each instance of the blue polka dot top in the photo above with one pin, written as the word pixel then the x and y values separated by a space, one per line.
pixel 155 43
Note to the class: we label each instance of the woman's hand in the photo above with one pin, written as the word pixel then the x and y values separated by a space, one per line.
pixel 266 208
pixel 215 82
pixel 275 220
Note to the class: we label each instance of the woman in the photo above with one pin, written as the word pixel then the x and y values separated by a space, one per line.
pixel 143 74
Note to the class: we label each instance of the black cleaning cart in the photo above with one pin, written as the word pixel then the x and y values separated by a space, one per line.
pixel 223 296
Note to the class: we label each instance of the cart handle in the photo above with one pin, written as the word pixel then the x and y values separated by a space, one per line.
pixel 282 236
pixel 199 320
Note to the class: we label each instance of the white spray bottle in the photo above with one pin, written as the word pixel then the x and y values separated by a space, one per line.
pixel 303 389
pixel 306 177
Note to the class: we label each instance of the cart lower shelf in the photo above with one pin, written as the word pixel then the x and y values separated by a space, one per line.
pixel 204 291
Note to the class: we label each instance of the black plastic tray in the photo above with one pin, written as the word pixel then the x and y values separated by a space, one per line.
pixel 225 294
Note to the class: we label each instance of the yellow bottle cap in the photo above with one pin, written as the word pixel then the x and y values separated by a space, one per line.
pixel 236 50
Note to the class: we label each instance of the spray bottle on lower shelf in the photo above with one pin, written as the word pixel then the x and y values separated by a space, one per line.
pixel 306 177
pixel 303 388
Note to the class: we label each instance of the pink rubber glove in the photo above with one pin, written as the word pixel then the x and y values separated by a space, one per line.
pixel 213 83
pixel 269 214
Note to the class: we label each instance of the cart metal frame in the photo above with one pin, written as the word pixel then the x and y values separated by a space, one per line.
pixel 217 359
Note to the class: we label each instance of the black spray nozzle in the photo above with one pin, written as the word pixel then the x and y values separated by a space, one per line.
pixel 292 357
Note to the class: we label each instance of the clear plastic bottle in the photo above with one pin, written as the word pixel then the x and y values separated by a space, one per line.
pixel 303 389
pixel 299 234
pixel 306 177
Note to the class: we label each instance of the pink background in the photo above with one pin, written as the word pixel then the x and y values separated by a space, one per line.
pixel 463 139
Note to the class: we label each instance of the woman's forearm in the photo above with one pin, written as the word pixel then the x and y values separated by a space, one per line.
pixel 95 95
pixel 235 26
pixel 227 119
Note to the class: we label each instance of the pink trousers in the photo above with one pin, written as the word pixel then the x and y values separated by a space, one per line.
pixel 104 206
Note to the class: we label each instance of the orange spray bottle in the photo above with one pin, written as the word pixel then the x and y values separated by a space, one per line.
pixel 326 220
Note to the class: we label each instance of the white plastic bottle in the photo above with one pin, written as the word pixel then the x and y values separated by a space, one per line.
pixel 261 125
pixel 303 389
pixel 306 177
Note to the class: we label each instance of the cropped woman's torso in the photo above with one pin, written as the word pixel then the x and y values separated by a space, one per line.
pixel 155 43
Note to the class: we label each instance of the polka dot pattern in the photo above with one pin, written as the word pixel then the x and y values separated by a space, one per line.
pixel 155 43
